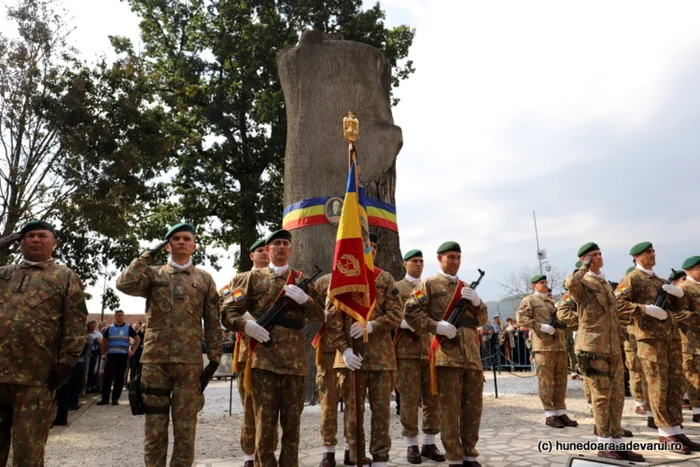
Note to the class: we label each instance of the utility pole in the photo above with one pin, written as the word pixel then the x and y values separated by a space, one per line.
pixel 541 254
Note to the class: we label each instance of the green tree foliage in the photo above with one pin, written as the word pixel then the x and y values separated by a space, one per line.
pixel 213 66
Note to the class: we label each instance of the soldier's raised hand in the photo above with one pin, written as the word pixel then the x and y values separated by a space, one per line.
pixel 257 332
pixel 153 252
pixel 656 312
pixel 586 260
pixel 446 329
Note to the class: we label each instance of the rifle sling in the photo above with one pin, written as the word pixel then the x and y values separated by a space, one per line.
pixel 288 322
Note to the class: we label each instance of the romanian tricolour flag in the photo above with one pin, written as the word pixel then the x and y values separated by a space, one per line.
pixel 352 287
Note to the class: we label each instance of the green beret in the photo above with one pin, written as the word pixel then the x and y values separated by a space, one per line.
pixel 257 244
pixel 449 246
pixel 373 237
pixel 640 248
pixel 37 225
pixel 181 227
pixel 538 277
pixel 283 234
pixel 412 254
pixel 588 247
pixel 678 274
pixel 690 262
pixel 630 269
pixel 578 264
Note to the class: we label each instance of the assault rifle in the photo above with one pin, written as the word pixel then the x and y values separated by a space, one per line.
pixel 456 318
pixel 267 320
pixel 663 295
pixel 554 322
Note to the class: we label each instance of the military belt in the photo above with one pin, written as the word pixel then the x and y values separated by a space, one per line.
pixel 288 322
pixel 593 372
pixel 156 410
pixel 159 392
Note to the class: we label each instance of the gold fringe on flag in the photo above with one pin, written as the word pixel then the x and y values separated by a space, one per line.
pixel 433 376
pixel 235 367
pixel 248 375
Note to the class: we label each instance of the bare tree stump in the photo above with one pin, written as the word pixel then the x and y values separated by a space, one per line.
pixel 324 77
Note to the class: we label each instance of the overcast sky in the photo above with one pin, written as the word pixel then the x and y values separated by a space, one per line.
pixel 587 113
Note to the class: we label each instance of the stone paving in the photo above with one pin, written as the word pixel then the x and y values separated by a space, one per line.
pixel 505 447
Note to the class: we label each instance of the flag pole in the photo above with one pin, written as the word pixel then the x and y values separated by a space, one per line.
pixel 351 130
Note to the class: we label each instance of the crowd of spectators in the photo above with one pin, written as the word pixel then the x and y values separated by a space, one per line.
pixel 505 346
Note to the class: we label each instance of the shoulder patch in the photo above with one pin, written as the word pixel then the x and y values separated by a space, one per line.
pixel 238 295
pixel 621 289
pixel 225 291
pixel 420 296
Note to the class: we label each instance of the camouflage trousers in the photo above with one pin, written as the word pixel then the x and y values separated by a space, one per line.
pixel 377 386
pixel 551 378
pixel 608 396
pixel 413 384
pixel 638 385
pixel 26 414
pixel 587 389
pixel 691 368
pixel 327 383
pixel 662 366
pixel 248 423
pixel 185 401
pixel 277 397
pixel 460 398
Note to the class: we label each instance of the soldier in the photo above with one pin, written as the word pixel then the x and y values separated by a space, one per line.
pixel 42 318
pixel 658 343
pixel 178 297
pixel 549 351
pixel 374 365
pixel 260 259
pixel 457 361
pixel 278 369
pixel 689 320
pixel 327 380
pixel 598 348
pixel 412 349
pixel 638 385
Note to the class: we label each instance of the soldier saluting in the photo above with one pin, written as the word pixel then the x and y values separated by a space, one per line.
pixel 42 333
pixel 178 297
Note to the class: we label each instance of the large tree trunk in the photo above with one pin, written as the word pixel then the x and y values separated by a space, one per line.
pixel 324 77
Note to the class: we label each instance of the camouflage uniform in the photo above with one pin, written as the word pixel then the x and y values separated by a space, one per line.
pixel 689 323
pixel 377 378
pixel 327 377
pixel 599 335
pixel 567 307
pixel 549 352
pixel 412 350
pixel 176 303
pixel 42 323
pixel 248 423
pixel 570 354
pixel 658 345
pixel 638 385
pixel 278 366
pixel 459 370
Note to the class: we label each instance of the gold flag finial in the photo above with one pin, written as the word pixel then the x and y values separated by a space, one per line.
pixel 351 127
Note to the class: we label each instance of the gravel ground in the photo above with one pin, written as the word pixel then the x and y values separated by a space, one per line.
pixel 109 435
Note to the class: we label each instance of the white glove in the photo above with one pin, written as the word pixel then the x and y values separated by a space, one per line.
pixel 404 325
pixel 352 362
pixel 547 328
pixel 471 295
pixel 586 260
pixel 673 290
pixel 446 329
pixel 656 312
pixel 255 331
pixel 356 329
pixel 296 294
pixel 325 315
pixel 247 315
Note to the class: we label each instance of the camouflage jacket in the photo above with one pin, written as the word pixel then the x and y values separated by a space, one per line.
pixel 223 293
pixel 426 307
pixel 285 352
pixel 532 313
pixel 327 349
pixel 177 301
pixel 42 321
pixel 411 344
pixel 689 317
pixel 596 312
pixel 378 352
pixel 636 290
